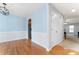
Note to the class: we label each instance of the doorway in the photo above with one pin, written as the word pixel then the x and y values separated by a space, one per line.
pixel 29 29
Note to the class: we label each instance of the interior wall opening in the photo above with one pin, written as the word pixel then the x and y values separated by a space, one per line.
pixel 29 29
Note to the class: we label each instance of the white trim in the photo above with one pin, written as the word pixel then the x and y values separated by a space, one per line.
pixel 41 39
pixel 39 44
pixel 55 44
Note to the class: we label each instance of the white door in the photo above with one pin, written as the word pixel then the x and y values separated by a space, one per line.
pixel 54 30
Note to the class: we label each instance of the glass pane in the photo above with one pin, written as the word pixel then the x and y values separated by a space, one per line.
pixel 71 28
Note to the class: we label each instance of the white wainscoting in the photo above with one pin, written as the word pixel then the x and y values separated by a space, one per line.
pixel 41 39
pixel 15 35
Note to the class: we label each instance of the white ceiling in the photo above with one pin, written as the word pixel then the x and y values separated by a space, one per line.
pixel 66 9
pixel 22 9
pixel 26 9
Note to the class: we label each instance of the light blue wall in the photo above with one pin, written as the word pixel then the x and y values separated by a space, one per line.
pixel 39 20
pixel 40 28
pixel 12 23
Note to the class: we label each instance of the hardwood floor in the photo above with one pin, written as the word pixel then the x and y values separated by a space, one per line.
pixel 59 50
pixel 26 47
pixel 21 47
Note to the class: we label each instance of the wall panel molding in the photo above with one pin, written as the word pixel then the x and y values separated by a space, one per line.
pixel 15 35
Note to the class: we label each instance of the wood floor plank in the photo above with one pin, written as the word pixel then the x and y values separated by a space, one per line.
pixel 26 47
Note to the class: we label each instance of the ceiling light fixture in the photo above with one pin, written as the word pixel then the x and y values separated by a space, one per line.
pixel 73 10
pixel 4 10
pixel 65 23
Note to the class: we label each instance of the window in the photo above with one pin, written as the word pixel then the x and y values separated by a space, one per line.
pixel 71 28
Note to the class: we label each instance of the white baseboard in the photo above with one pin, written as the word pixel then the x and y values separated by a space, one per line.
pixel 53 45
pixel 41 39
pixel 9 36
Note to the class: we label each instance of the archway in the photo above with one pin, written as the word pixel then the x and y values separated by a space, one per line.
pixel 29 29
